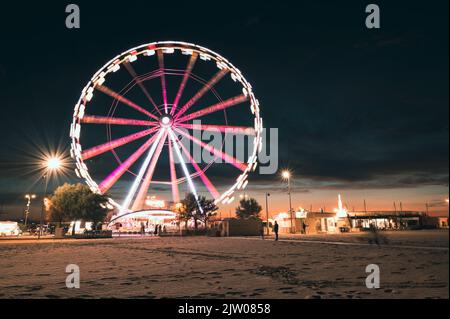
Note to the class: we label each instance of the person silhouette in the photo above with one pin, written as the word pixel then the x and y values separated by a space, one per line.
pixel 275 230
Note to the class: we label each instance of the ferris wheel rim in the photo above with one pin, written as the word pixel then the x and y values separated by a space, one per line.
pixel 158 47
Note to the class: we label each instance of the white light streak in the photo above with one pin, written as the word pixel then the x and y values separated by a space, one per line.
pixel 142 171
pixel 185 169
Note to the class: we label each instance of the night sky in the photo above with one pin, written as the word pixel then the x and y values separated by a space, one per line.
pixel 360 112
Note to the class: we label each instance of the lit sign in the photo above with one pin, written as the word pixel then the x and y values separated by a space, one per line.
pixel 155 203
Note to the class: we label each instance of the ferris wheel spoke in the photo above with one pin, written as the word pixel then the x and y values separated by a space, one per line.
pixel 148 177
pixel 213 191
pixel 141 173
pixel 163 79
pixel 94 119
pixel 216 78
pixel 133 73
pixel 224 156
pixel 214 108
pixel 173 175
pixel 186 75
pixel 124 100
pixel 99 149
pixel 185 170
pixel 114 176
pixel 220 128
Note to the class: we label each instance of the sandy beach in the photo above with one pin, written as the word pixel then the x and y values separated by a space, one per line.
pixel 412 265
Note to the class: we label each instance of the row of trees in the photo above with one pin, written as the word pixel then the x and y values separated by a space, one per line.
pixel 188 209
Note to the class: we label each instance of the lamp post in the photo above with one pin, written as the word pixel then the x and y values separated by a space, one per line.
pixel 52 164
pixel 287 177
pixel 448 209
pixel 28 197
pixel 267 213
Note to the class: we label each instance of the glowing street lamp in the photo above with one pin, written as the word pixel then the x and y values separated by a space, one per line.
pixel 52 164
pixel 286 175
pixel 28 197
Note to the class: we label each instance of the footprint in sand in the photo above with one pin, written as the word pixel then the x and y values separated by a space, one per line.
pixel 260 290
pixel 234 293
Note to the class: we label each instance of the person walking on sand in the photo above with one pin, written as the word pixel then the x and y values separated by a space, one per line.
pixel 275 230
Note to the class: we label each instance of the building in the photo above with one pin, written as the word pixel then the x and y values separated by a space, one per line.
pixel 310 223
pixel 134 222
pixel 156 213
pixel 8 228
pixel 240 227
pixel 305 222
pixel 386 220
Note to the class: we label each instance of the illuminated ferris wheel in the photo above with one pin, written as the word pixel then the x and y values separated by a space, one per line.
pixel 141 108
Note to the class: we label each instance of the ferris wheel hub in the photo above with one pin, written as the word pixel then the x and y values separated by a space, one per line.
pixel 166 120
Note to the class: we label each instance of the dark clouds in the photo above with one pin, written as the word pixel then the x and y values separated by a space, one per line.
pixel 355 108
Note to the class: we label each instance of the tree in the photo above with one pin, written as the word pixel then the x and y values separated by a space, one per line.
pixel 189 209
pixel 209 209
pixel 95 208
pixel 248 208
pixel 76 201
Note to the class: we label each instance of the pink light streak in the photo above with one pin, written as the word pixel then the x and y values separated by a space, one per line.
pixel 202 91
pixel 148 177
pixel 124 100
pixel 114 176
pixel 184 81
pixel 163 79
pixel 214 108
pixel 227 158
pixel 94 119
pixel 99 149
pixel 202 174
pixel 173 175
pixel 220 128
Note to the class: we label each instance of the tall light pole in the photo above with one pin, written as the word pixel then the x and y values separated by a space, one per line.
pixel 448 209
pixel 267 212
pixel 286 175
pixel 28 197
pixel 51 164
